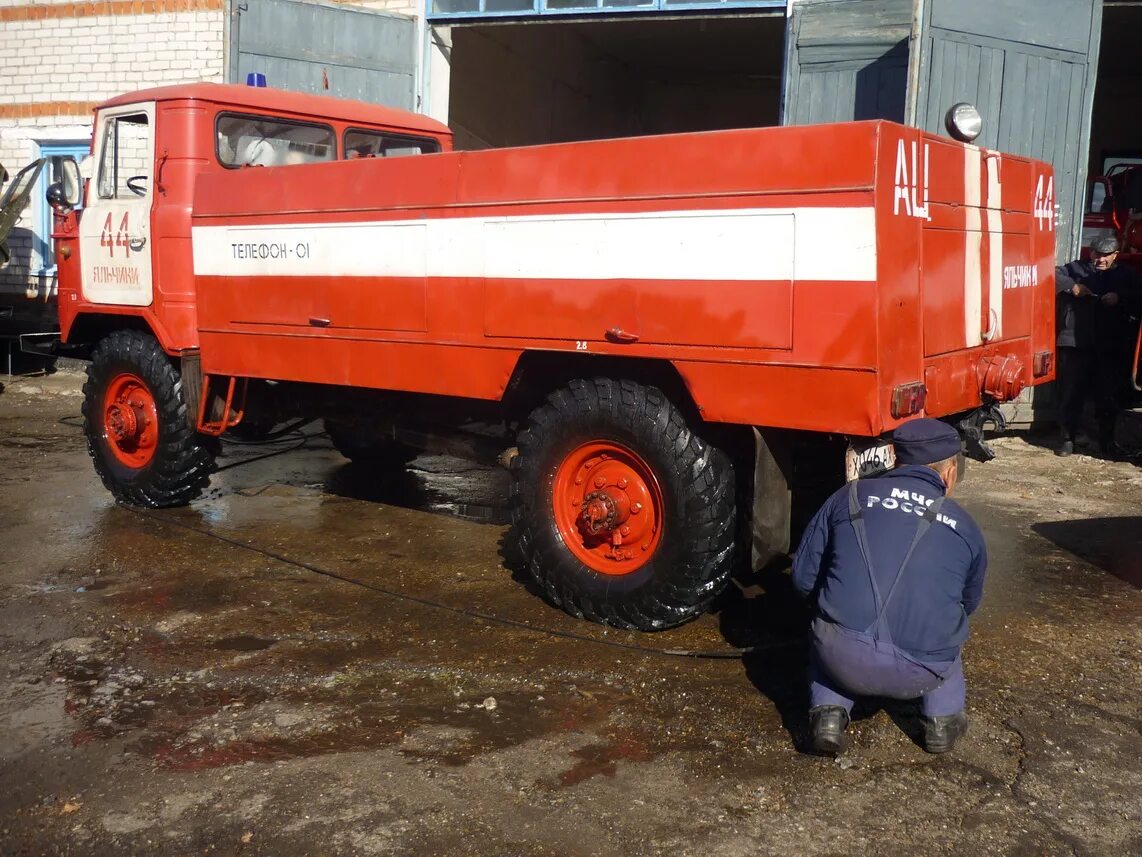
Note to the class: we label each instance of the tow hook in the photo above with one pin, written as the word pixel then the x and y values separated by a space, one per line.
pixel 971 429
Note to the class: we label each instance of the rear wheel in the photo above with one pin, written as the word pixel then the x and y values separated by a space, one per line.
pixel 135 419
pixel 624 515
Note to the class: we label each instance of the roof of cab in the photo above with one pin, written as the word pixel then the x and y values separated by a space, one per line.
pixel 280 100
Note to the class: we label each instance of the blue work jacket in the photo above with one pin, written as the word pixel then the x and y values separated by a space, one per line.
pixel 927 615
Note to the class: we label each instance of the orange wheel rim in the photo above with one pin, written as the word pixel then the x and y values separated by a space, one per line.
pixel 608 507
pixel 130 420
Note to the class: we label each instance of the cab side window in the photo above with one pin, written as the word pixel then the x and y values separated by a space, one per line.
pixel 376 144
pixel 124 161
pixel 258 141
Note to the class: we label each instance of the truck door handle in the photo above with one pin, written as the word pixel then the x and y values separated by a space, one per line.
pixel 320 322
pixel 617 334
pixel 137 244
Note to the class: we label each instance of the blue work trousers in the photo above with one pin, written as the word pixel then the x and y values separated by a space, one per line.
pixel 845 664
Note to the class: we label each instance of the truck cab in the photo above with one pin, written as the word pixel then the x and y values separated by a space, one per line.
pixel 130 253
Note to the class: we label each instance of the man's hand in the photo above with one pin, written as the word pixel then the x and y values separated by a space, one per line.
pixel 1080 291
pixel 1110 298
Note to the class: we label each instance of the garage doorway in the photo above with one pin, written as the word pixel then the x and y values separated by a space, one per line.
pixel 1116 125
pixel 556 81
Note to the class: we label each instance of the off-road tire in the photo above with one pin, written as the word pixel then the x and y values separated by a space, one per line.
pixel 183 459
pixel 367 450
pixel 694 558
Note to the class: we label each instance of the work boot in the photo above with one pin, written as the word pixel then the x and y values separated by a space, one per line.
pixel 941 733
pixel 827 725
pixel 1067 447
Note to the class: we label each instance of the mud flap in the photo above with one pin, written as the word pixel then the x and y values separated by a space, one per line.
pixel 190 371
pixel 772 510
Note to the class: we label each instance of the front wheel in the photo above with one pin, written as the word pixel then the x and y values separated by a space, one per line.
pixel 135 420
pixel 625 516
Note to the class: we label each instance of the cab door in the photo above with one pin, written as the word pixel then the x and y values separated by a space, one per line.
pixel 115 231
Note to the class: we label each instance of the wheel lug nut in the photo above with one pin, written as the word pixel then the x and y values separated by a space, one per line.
pixel 600 481
pixel 625 530
pixel 623 483
pixel 635 508
pixel 646 546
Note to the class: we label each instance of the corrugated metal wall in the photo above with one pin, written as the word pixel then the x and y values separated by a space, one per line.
pixel 325 49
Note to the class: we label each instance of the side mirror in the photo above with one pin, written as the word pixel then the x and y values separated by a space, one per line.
pixel 1101 199
pixel 72 185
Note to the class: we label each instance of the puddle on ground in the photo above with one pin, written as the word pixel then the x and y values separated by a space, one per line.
pixel 95 585
pixel 437 484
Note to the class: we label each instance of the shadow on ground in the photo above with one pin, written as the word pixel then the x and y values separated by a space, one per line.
pixel 762 611
pixel 1112 544
pixel 438 484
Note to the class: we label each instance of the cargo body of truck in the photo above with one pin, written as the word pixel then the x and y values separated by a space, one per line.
pixel 667 329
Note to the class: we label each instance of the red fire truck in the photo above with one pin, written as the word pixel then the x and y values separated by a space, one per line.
pixel 668 329
pixel 1114 208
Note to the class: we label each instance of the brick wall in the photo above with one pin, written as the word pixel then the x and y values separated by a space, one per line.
pixel 59 59
pixel 411 8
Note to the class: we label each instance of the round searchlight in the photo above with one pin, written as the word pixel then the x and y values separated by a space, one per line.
pixel 963 122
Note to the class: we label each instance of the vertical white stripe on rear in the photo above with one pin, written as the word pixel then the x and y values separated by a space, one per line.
pixel 973 246
pixel 995 247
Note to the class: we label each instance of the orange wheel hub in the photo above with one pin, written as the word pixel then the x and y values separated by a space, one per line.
pixel 130 420
pixel 608 507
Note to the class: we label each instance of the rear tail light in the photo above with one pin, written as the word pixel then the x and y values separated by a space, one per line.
pixel 1042 363
pixel 908 399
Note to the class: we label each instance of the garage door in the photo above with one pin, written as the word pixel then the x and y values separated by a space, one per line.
pixel 325 49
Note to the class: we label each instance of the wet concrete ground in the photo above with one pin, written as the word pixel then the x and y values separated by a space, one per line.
pixel 310 660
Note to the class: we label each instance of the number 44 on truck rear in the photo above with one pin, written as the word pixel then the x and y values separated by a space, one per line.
pixel 676 338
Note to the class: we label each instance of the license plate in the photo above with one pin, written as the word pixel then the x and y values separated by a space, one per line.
pixel 868 457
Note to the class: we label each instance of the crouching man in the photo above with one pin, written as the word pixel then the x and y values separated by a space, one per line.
pixel 894 569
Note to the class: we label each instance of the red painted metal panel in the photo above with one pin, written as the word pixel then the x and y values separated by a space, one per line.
pixel 477 372
pixel 796 397
pixel 725 314
pixel 898 320
pixel 343 303
pixel 814 159
pixel 944 264
pixel 953 380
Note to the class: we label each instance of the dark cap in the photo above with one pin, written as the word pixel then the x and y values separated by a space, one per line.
pixel 1104 245
pixel 925 441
